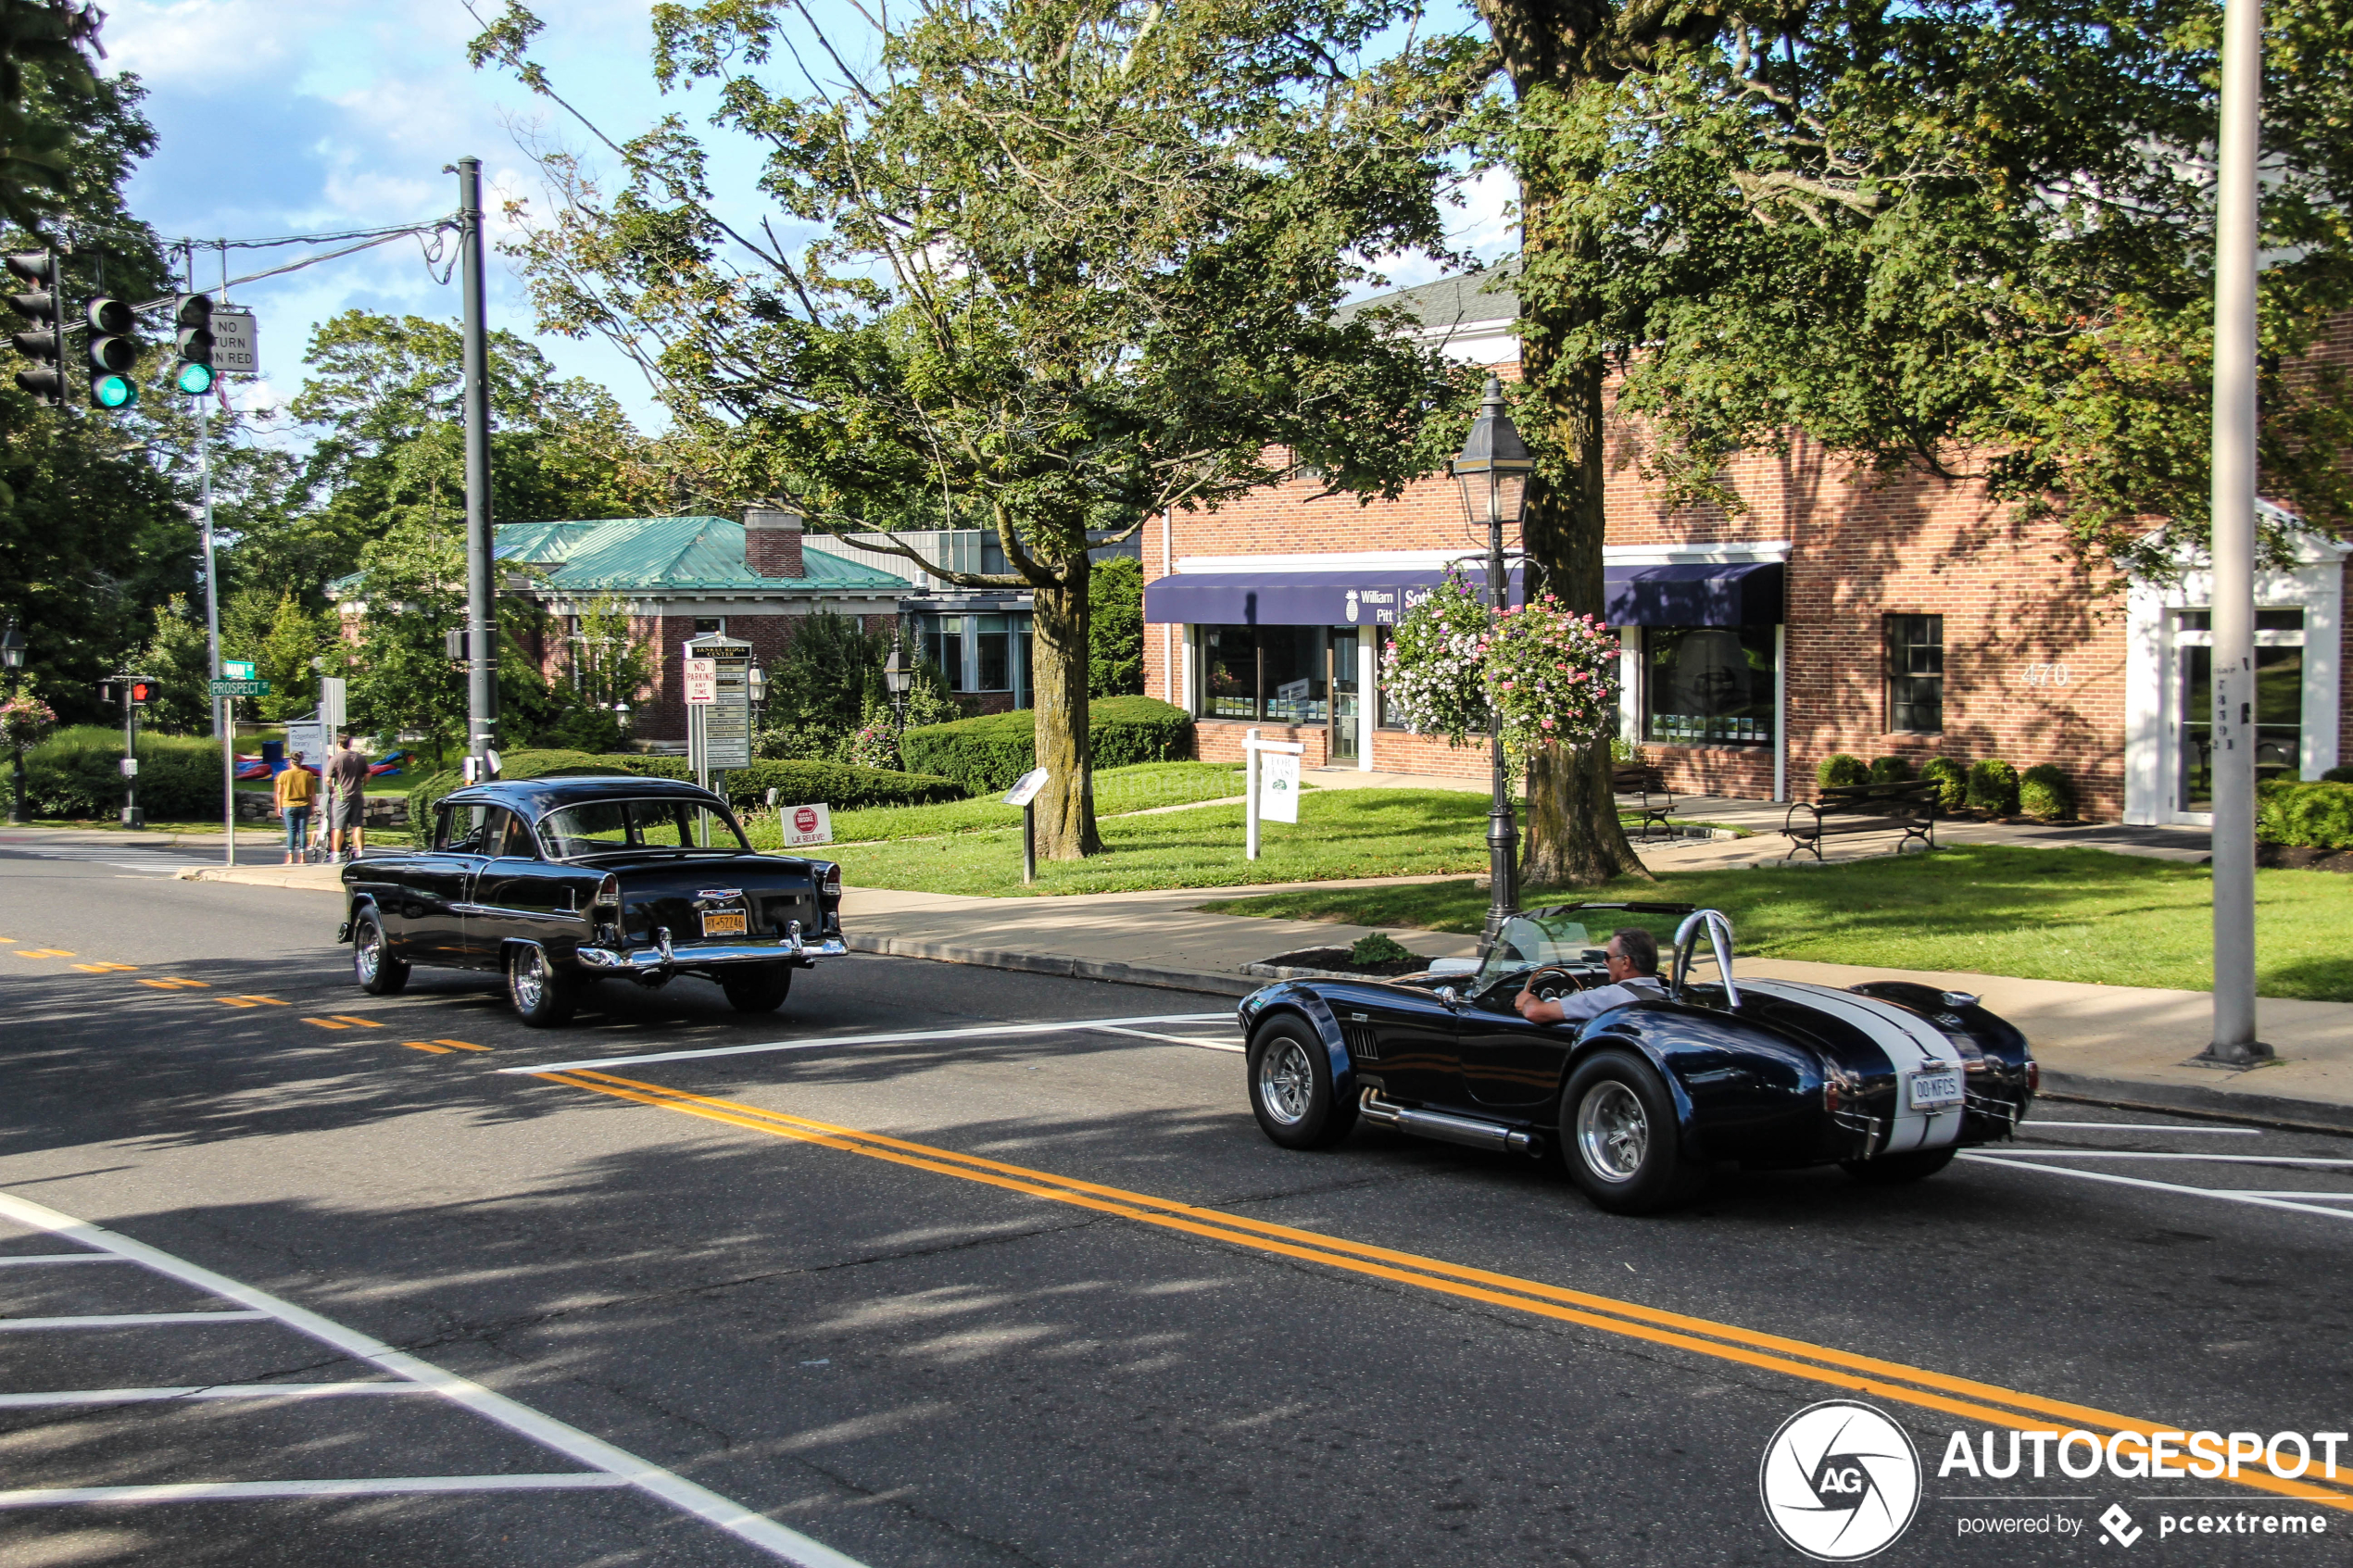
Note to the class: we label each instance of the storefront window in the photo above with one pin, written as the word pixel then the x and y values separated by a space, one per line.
pixel 1914 673
pixel 1708 685
pixel 1272 674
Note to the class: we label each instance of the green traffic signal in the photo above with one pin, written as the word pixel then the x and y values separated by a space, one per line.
pixel 113 391
pixel 196 379
pixel 192 313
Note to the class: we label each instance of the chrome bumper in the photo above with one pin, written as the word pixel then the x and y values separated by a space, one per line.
pixel 663 955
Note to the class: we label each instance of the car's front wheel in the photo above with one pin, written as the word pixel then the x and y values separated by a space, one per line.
pixel 759 990
pixel 379 974
pixel 1621 1139
pixel 1893 1169
pixel 1291 1087
pixel 543 998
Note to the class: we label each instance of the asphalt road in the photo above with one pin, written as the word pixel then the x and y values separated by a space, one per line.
pixel 1027 1288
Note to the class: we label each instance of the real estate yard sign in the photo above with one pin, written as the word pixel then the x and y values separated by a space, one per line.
pixel 1278 787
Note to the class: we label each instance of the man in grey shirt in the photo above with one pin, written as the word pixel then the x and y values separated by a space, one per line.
pixel 1633 957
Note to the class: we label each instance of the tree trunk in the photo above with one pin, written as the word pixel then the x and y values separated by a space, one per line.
pixel 1573 838
pixel 1066 806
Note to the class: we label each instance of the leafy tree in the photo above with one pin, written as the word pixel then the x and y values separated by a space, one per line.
pixel 1116 656
pixel 1077 262
pixel 610 662
pixel 822 686
pixel 280 638
pixel 36 162
pixel 178 655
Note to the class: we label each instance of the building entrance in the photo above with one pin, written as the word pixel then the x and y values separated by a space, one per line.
pixel 2279 703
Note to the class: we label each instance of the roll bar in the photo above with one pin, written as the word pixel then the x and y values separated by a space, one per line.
pixel 1720 938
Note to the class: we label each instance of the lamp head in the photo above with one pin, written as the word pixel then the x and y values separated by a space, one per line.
pixel 12 646
pixel 1493 465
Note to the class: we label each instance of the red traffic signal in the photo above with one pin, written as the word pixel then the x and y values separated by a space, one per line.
pixel 139 691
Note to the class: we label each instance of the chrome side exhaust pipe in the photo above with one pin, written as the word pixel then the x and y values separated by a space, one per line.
pixel 1464 1129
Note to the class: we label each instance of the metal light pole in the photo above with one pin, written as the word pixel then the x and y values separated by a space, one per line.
pixel 1492 470
pixel 482 644
pixel 898 679
pixel 12 655
pixel 2236 232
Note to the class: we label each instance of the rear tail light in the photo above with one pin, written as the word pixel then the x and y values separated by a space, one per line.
pixel 607 893
pixel 833 882
pixel 2033 1077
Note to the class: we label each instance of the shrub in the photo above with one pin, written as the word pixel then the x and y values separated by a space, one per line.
pixel 988 753
pixel 77 772
pixel 1116 629
pixel 1839 769
pixel 2043 791
pixel 511 765
pixel 2337 775
pixel 1952 780
pixel 1378 947
pixel 1992 787
pixel 2319 815
pixel 1891 770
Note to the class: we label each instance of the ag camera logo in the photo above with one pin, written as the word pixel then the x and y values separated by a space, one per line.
pixel 1841 1481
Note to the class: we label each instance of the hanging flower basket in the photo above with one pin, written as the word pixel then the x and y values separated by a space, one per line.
pixel 25 721
pixel 1433 671
pixel 1552 675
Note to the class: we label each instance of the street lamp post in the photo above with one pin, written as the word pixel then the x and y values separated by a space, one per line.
pixel 12 655
pixel 898 679
pixel 1493 469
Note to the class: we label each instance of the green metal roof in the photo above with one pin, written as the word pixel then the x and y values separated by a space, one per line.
pixel 694 555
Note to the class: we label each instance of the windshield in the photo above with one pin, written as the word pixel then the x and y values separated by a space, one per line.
pixel 602 827
pixel 1527 941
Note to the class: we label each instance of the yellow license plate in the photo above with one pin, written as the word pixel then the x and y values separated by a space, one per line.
pixel 726 925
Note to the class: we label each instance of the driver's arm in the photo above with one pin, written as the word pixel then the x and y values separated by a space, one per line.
pixel 1536 1010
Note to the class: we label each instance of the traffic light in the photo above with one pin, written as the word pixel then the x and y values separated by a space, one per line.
pixel 192 313
pixel 46 379
pixel 141 690
pixel 112 354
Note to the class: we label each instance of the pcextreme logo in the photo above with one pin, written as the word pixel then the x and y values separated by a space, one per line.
pixel 1840 1480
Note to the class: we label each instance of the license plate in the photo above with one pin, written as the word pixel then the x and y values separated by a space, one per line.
pixel 1933 1089
pixel 738 925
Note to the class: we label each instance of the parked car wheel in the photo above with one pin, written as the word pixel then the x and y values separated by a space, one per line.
pixel 1892 1170
pixel 1621 1139
pixel 543 998
pixel 1291 1087
pixel 763 990
pixel 379 974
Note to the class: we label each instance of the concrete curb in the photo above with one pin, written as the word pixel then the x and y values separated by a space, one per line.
pixel 2129 1094
pixel 1167 978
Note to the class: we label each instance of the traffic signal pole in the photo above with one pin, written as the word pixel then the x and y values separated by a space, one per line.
pixel 212 611
pixel 482 644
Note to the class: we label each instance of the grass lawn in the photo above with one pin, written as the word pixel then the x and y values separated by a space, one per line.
pixel 2041 914
pixel 1116 790
pixel 1342 832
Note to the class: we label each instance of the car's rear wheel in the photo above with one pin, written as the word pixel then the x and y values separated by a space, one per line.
pixel 1621 1139
pixel 759 990
pixel 1291 1087
pixel 543 998
pixel 1892 1170
pixel 379 974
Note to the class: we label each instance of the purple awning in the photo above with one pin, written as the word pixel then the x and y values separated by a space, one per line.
pixel 1704 594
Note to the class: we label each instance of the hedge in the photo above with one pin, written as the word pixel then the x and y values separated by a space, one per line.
pixel 988 753
pixel 2337 775
pixel 1841 769
pixel 1891 770
pixel 2319 815
pixel 796 784
pixel 1952 780
pixel 77 773
pixel 2043 791
pixel 1992 787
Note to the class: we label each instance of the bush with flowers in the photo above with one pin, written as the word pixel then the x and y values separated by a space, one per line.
pixel 25 721
pixel 1553 675
pixel 1433 669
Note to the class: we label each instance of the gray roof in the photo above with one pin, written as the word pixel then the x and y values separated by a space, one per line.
pixel 1458 301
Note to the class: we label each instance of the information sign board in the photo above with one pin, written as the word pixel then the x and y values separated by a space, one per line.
pixel 806 824
pixel 1278 787
pixel 1025 788
pixel 702 681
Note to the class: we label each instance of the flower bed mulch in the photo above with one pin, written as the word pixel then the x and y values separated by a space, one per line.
pixel 2302 858
pixel 1338 960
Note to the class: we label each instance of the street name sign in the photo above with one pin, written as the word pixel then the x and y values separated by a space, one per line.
pixel 238 669
pixel 240 689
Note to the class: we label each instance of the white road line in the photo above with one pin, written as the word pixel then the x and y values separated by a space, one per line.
pixel 238 1491
pixel 131 1320
pixel 2201 1158
pixel 1172 1039
pixel 569 1441
pixel 902 1036
pixel 26 1259
pixel 205 1391
pixel 2316 1197
pixel 2225 1194
pixel 2134 1127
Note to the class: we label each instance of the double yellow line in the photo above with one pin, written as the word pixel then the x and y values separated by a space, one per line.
pixel 1983 1404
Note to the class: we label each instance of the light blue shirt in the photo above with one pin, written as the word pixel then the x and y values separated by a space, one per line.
pixel 1593 1004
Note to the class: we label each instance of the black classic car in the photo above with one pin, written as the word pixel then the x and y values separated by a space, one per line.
pixel 552 883
pixel 1887 1079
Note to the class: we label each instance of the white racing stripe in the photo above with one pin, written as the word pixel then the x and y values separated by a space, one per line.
pixel 1910 1044
pixel 899 1036
pixel 622 1467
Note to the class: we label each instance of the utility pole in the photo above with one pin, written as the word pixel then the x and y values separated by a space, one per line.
pixel 481 651
pixel 2236 234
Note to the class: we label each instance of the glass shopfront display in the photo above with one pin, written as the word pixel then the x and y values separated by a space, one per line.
pixel 1269 674
pixel 1708 685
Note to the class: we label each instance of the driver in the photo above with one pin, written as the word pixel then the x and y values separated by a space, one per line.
pixel 1633 957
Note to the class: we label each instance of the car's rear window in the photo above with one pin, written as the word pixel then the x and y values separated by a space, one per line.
pixel 602 827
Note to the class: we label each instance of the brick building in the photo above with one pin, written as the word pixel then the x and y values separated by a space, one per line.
pixel 1912 618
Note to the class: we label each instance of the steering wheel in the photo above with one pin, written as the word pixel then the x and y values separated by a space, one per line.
pixel 1551 982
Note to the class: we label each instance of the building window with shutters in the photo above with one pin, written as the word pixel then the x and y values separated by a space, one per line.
pixel 1915 673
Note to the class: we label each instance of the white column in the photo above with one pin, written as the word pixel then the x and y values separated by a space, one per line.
pixel 1629 683
pixel 1780 713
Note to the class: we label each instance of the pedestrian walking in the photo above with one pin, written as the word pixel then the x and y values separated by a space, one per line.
pixel 295 790
pixel 347 806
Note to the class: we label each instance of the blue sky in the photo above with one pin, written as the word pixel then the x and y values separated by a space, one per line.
pixel 279 117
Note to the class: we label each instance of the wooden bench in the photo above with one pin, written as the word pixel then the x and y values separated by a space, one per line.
pixel 1909 808
pixel 1648 786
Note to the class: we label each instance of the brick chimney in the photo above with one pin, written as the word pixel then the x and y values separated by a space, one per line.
pixel 771 543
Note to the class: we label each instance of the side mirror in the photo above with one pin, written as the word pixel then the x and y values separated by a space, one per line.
pixel 1450 996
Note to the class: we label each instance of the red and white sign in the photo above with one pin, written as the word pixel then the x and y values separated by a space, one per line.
pixel 806 824
pixel 702 681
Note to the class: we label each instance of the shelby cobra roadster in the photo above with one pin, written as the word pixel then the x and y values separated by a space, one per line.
pixel 552 883
pixel 1887 1079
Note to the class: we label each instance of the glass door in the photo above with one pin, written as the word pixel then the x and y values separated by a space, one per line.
pixel 1340 666
pixel 2279 703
